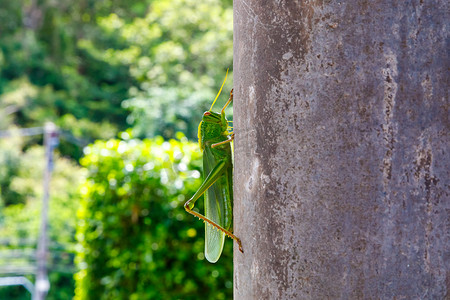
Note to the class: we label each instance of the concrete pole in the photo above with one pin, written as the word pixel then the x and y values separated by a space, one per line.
pixel 42 284
pixel 341 151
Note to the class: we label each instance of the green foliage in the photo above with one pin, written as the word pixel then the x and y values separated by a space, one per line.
pixel 60 78
pixel 9 168
pixel 185 48
pixel 136 240
pixel 152 65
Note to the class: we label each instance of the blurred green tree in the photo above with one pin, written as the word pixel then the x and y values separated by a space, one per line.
pixel 178 53
pixel 82 59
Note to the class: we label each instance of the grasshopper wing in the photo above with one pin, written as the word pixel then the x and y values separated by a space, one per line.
pixel 214 210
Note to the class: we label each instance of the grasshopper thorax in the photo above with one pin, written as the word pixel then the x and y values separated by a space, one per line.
pixel 212 128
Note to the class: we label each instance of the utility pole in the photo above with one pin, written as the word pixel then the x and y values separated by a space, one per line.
pixel 42 284
pixel 341 174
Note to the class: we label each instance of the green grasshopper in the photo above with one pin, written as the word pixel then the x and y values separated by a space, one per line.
pixel 214 138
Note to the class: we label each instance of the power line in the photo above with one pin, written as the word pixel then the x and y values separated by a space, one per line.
pixel 17 253
pixel 21 132
pixel 19 269
pixel 65 134
pixel 68 136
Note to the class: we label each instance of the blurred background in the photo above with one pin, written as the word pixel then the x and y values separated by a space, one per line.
pixel 125 82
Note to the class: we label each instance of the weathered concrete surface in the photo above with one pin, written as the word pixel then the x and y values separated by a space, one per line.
pixel 341 150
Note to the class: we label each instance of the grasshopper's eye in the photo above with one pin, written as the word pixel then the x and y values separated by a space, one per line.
pixel 207 113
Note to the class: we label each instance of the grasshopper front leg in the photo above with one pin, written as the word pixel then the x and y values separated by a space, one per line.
pixel 212 177
pixel 224 142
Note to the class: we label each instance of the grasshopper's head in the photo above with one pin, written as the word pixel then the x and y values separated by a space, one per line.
pixel 211 117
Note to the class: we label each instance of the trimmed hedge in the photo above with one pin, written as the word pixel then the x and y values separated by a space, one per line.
pixel 135 239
